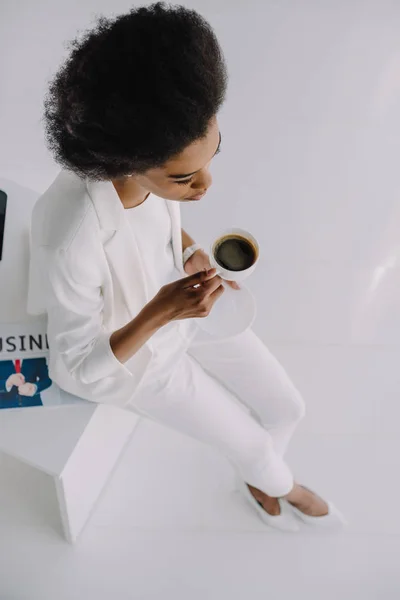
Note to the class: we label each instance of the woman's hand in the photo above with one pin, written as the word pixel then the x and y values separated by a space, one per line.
pixel 191 297
pixel 200 261
pixel 188 298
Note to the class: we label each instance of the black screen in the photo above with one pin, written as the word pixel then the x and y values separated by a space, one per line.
pixel 3 203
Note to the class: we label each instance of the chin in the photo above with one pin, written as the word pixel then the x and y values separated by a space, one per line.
pixel 180 200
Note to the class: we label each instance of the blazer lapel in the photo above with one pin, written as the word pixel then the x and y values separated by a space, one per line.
pixel 175 213
pixel 119 245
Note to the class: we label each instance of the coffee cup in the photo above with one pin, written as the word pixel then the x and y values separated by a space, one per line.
pixel 234 254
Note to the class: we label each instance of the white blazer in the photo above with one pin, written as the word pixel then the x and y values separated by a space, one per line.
pixel 87 274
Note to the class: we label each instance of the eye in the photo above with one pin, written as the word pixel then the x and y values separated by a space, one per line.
pixel 185 182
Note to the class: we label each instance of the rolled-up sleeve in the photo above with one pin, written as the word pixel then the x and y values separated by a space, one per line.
pixel 75 319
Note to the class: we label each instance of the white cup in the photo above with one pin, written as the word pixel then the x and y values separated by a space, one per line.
pixel 226 274
pixel 235 311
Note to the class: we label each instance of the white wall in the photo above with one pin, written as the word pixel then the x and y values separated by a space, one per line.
pixel 311 146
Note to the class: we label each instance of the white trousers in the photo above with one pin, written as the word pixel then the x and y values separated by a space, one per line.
pixel 205 395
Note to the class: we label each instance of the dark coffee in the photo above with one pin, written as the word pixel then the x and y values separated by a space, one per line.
pixel 235 253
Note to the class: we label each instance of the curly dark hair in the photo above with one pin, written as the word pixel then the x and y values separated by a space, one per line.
pixel 135 91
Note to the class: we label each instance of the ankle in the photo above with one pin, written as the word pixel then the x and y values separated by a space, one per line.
pixel 307 502
pixel 295 495
pixel 269 504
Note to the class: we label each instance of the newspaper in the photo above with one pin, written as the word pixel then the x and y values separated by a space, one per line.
pixel 24 371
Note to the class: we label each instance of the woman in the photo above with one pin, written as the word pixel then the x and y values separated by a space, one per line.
pixel 132 118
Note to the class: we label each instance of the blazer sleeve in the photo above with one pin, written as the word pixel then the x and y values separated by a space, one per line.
pixel 3 385
pixel 4 375
pixel 75 319
pixel 43 380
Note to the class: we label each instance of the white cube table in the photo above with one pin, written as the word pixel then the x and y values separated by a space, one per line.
pixel 77 445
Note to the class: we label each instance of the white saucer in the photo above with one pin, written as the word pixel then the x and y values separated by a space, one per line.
pixel 232 314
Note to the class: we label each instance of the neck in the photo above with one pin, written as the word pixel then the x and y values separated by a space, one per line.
pixel 130 192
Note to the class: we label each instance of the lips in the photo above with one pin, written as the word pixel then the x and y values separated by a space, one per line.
pixel 198 197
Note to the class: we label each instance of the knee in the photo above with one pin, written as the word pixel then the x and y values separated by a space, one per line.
pixel 298 407
pixel 293 407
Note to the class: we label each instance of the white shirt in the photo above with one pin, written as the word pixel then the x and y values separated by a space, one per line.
pixel 150 223
pixel 151 226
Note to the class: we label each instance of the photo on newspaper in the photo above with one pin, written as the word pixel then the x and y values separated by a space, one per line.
pixel 24 369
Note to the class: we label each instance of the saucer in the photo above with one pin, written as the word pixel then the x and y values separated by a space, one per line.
pixel 232 314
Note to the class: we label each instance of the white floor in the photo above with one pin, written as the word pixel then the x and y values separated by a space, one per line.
pixel 171 526
pixel 310 165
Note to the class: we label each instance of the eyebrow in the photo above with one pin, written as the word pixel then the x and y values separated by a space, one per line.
pixel 189 174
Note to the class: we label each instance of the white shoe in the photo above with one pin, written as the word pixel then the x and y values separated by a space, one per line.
pixel 284 521
pixel 334 520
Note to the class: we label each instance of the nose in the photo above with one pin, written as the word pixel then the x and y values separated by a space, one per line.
pixel 203 181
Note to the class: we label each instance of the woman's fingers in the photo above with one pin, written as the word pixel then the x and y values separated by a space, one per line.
pixel 198 278
pixel 233 285
pixel 211 285
pixel 217 293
